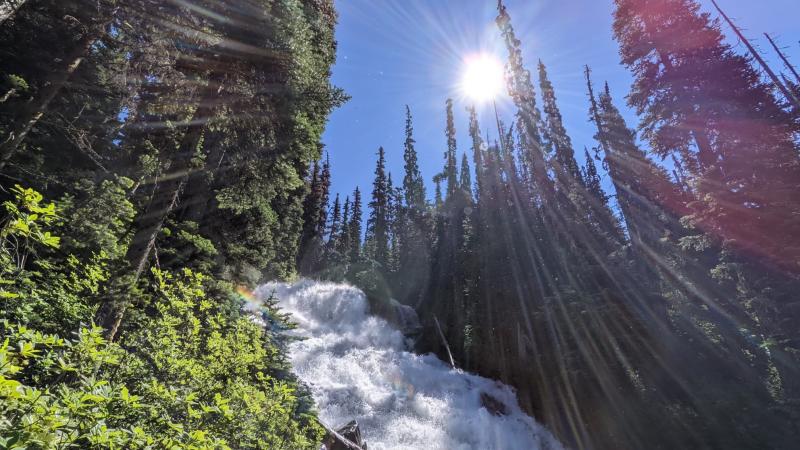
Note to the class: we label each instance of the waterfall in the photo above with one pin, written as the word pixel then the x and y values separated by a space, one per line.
pixel 358 367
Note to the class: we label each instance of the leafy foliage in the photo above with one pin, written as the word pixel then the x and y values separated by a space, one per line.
pixel 173 137
pixel 192 372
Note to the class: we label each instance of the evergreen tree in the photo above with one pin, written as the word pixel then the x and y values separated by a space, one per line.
pixel 355 227
pixel 410 235
pixel 699 99
pixel 395 220
pixel 438 201
pixel 652 207
pixel 477 149
pixel 343 240
pixel 466 176
pixel 644 193
pixel 556 136
pixel 529 118
pixel 310 248
pixel 173 134
pixel 93 24
pixel 377 237
pixel 586 207
pixel 591 179
pixel 413 185
pixel 324 187
pixel 450 167
pixel 334 230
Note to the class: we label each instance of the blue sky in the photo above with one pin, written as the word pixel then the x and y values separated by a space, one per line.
pixel 398 52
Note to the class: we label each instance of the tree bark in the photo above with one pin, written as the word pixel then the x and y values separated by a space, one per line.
pixel 165 199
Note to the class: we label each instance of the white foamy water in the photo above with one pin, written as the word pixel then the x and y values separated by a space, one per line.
pixel 357 367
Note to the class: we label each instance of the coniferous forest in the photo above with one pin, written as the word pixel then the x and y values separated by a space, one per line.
pixel 160 159
pixel 153 156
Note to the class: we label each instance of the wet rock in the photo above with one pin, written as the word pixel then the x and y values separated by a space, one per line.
pixel 493 405
pixel 347 437
pixel 406 319
pixel 402 317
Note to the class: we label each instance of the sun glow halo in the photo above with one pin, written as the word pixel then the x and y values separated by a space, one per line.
pixel 483 78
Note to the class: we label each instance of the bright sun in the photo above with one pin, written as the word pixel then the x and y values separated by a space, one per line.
pixel 483 78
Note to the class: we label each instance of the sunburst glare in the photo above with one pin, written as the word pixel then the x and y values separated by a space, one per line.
pixel 483 77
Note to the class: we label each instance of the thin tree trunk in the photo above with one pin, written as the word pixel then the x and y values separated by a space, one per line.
pixel 790 96
pixel 9 9
pixel 33 111
pixel 444 341
pixel 165 199
pixel 705 154
pixel 783 58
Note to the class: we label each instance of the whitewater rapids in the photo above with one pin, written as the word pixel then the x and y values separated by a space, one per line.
pixel 358 367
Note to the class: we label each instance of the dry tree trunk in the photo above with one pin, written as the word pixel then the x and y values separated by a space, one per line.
pixel 783 58
pixel 9 8
pixel 790 96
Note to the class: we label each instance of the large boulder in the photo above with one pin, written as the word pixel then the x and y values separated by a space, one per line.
pixel 405 319
pixel 347 437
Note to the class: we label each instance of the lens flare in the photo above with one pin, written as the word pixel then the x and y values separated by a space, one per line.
pixel 483 78
pixel 246 294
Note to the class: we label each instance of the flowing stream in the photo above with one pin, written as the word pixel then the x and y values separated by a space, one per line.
pixel 358 367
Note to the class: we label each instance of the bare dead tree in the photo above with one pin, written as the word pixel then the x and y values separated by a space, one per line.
pixel 783 58
pixel 787 93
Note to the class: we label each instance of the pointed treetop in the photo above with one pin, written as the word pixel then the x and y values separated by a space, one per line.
pixel 450 171
pixel 466 176
pixel 413 184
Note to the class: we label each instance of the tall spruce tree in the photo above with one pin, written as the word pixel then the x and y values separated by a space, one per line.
pixel 438 200
pixel 355 227
pixel 343 241
pixel 334 229
pixel 529 118
pixel 699 99
pixel 396 221
pixel 477 149
pixel 556 136
pixel 324 187
pixel 465 178
pixel 687 294
pixel 311 245
pixel 451 165
pixel 591 179
pixel 377 236
pixel 410 226
pixel 413 184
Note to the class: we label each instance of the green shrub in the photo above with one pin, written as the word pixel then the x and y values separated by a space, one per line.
pixel 192 371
